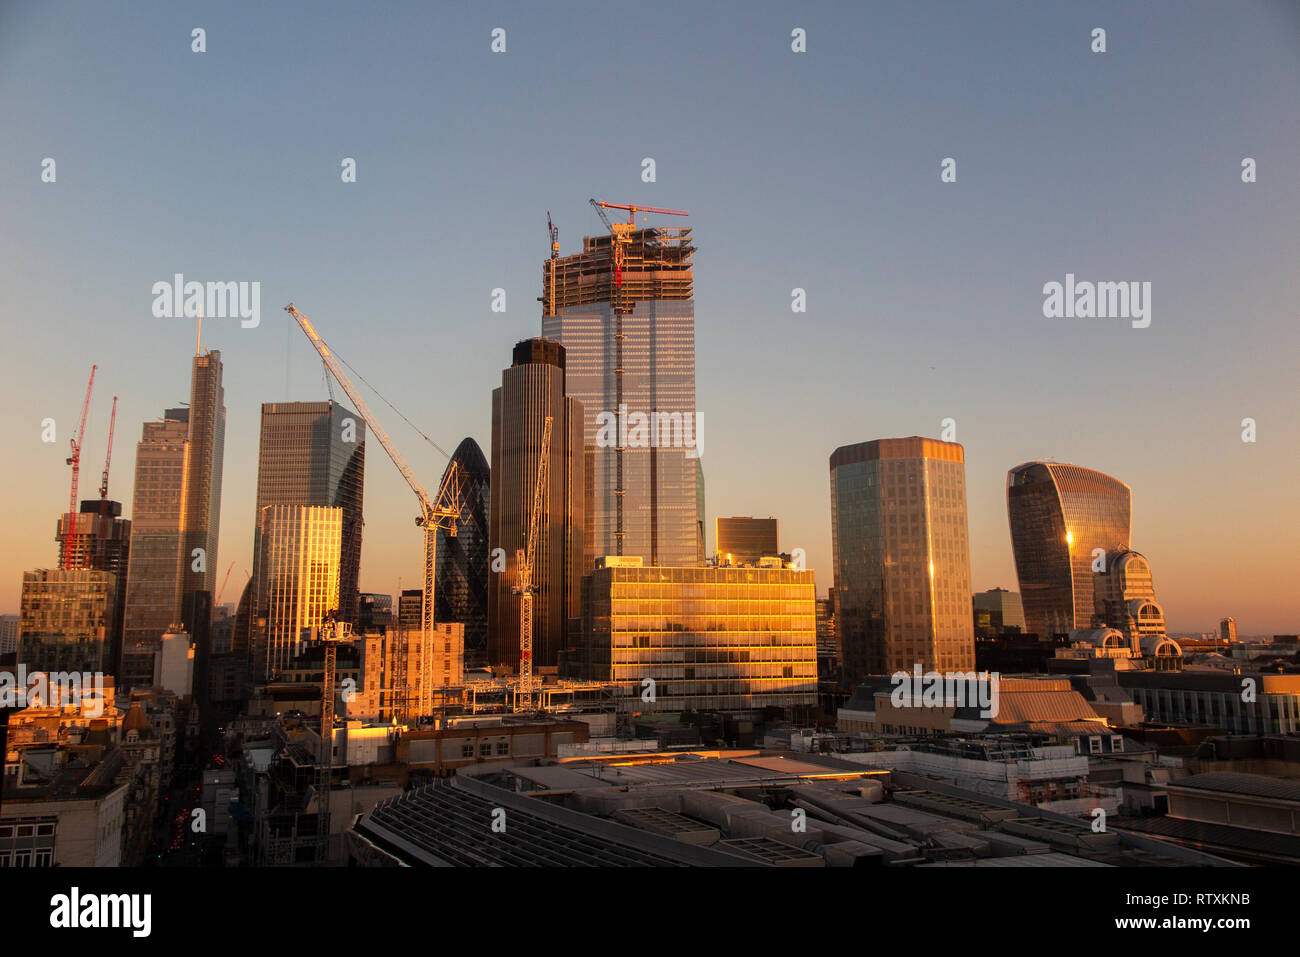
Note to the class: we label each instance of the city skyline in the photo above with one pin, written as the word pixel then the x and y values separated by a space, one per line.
pixel 904 330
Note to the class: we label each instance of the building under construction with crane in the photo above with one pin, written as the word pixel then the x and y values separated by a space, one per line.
pixel 624 310
pixel 97 538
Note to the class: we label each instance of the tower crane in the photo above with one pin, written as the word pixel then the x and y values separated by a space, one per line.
pixel 553 232
pixel 443 511
pixel 620 236
pixel 524 586
pixel 108 457
pixel 225 581
pixel 332 632
pixel 70 528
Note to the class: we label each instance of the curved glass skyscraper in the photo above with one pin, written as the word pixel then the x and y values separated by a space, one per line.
pixel 460 571
pixel 1060 516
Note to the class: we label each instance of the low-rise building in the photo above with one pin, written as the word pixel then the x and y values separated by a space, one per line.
pixel 699 638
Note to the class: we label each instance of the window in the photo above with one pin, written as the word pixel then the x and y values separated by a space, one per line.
pixel 467 750
pixel 1094 744
pixel 1116 742
pixel 503 747
pixel 485 749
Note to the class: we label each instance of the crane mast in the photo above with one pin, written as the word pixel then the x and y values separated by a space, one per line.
pixel 70 527
pixel 108 458
pixel 441 512
pixel 524 586
pixel 553 232
pixel 332 632
pixel 225 581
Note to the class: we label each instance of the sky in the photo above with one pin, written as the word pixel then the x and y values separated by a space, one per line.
pixel 817 170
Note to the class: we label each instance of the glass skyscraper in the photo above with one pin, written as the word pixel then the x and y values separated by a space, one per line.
pixel 662 517
pixel 314 453
pixel 902 557
pixel 153 577
pixel 460 575
pixel 298 575
pixel 532 389
pixel 204 454
pixel 1062 518
pixel 176 509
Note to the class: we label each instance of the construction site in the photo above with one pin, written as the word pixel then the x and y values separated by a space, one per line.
pixel 627 266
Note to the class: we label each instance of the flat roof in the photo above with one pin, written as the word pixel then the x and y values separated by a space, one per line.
pixel 1247 785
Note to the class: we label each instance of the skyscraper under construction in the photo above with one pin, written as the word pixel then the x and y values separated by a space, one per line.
pixel 624 310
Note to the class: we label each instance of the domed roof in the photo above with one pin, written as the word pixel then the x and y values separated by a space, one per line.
pixel 1161 645
pixel 469 457
pixel 136 720
pixel 1099 637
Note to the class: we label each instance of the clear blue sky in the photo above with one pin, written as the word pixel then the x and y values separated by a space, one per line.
pixel 818 170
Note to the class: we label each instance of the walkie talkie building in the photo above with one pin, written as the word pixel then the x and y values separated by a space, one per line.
pixel 1062 518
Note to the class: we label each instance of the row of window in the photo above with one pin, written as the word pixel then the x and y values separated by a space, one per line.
pixel 485 749
pixel 45 829
pixel 40 857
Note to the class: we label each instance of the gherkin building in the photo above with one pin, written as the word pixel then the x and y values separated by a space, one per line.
pixel 460 581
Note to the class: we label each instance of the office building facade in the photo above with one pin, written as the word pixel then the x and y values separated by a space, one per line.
pixel 175 518
pixel 101 541
pixel 902 557
pixel 743 540
pixel 9 625
pixel 314 453
pixel 708 639
pixel 153 581
pixel 298 575
pixel 204 464
pixel 66 620
pixel 1063 518
pixel 532 389
pixel 997 612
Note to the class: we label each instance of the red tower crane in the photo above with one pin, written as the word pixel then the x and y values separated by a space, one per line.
pixel 69 528
pixel 622 232
pixel 222 590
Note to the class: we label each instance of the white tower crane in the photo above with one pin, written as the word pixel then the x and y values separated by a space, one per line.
pixel 524 586
pixel 441 512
